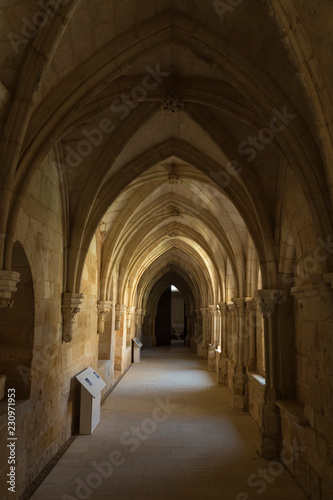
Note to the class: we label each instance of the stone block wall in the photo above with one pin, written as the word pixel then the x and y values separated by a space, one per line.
pixel 50 414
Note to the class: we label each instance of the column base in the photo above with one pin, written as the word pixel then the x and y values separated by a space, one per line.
pixel 204 352
pixel 211 361
pixel 222 372
pixel 240 391
pixel 269 445
pixel 239 403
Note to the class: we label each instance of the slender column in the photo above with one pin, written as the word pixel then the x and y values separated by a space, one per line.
pixel 150 329
pixel 223 326
pixel 204 312
pixel 240 381
pixel 138 323
pixel 130 311
pixel 204 347
pixel 222 363
pixel 251 316
pixel 240 351
pixel 232 330
pixel 272 304
pixel 212 315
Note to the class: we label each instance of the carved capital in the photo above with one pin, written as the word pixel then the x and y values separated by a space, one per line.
pixel 129 313
pixel 270 300
pixel 8 282
pixel 138 314
pixel 211 311
pixel 204 312
pixel 70 308
pixel 223 309
pixel 120 309
pixel 251 307
pixel 103 308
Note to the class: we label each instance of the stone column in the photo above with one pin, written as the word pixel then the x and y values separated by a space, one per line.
pixel 138 324
pixel 150 322
pixel 274 305
pixel 8 282
pixel 251 317
pixel 70 308
pixel 222 363
pixel 103 308
pixel 212 316
pixel 130 311
pixel 240 397
pixel 204 348
pixel 225 325
pixel 120 309
pixel 189 332
pixel 211 338
pixel 232 333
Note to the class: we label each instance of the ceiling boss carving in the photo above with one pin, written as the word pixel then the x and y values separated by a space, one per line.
pixel 172 103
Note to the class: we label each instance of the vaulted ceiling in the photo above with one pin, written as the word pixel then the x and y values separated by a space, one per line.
pixel 171 123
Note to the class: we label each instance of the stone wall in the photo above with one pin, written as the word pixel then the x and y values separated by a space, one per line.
pixel 47 418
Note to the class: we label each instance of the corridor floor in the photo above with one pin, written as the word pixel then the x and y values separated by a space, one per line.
pixel 167 432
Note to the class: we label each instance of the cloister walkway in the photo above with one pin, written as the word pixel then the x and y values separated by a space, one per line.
pixel 167 432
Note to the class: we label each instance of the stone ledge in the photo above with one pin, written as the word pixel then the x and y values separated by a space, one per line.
pixel 257 379
pixel 295 410
pixel 102 362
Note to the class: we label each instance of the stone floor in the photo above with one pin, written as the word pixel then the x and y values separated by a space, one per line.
pixel 167 432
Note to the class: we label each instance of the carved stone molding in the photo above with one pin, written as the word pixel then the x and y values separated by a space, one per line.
pixel 70 308
pixel 138 315
pixel 175 213
pixel 223 309
pixel 211 310
pixel 270 300
pixel 8 282
pixel 6 303
pixel 172 103
pixel 129 314
pixel 103 308
pixel 251 307
pixel 204 312
pixel 174 179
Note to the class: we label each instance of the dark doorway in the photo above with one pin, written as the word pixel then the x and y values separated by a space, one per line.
pixel 163 319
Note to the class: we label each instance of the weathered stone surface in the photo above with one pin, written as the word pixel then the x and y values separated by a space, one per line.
pixel 150 144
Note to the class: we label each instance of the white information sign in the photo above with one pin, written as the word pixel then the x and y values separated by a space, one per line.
pixel 91 388
pixel 91 381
